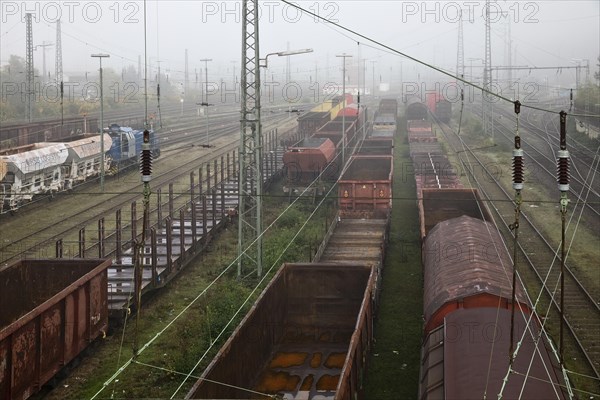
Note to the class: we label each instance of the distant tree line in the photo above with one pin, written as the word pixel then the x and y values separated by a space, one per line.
pixel 81 94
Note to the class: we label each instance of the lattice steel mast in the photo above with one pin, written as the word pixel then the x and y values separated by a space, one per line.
pixel 250 157
pixel 488 127
pixel 460 54
pixel 29 66
pixel 58 58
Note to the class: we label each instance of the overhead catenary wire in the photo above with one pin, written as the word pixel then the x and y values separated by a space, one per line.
pixel 517 186
pixel 426 64
pixel 563 177
pixel 157 335
pixel 264 277
pixel 527 328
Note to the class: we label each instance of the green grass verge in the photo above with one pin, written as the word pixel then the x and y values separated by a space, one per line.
pixel 178 350
pixel 393 371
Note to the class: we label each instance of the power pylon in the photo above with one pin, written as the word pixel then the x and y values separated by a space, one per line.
pixel 460 54
pixel 488 127
pixel 250 152
pixel 29 66
pixel 58 71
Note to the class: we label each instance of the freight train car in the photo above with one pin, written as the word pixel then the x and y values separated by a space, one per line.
pixel 388 106
pixel 51 311
pixel 415 109
pixel 467 302
pixel 384 126
pixel 318 316
pixel 46 168
pixel 386 119
pixel 467 293
pixel 439 106
pixel 55 166
pixel 319 115
pixel 365 187
pixel 320 154
pixel 306 337
pixel 374 146
pixel 305 161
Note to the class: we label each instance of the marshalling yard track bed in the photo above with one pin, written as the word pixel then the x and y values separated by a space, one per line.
pixel 81 224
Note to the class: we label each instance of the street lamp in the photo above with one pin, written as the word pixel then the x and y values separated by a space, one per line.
pixel 100 57
pixel 283 54
pixel 343 56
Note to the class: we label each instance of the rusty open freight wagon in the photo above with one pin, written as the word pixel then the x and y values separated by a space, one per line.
pixel 307 336
pixel 50 310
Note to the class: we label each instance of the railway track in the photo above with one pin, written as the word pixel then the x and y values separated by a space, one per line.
pixel 582 310
pixel 539 143
pixel 64 225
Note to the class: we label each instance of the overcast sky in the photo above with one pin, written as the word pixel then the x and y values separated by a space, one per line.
pixel 544 33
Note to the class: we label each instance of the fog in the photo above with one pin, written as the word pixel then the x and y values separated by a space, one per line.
pixel 543 33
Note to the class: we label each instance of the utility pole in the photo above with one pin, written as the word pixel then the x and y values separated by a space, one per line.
pixel 205 61
pixel 43 46
pixel 373 67
pixel 29 66
pixel 186 86
pixel 250 152
pixel 343 56
pixel 205 103
pixel 100 57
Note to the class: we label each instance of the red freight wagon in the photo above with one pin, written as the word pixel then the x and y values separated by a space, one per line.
pixel 51 310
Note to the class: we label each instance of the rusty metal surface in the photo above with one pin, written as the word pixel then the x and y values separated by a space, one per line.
pixel 296 340
pixel 467 358
pixel 305 161
pixel 357 241
pixel 440 205
pixel 425 147
pixel 368 169
pixel 389 106
pixel 418 126
pixel 422 136
pixel 51 310
pixel 311 121
pixel 415 110
pixel 366 186
pixel 377 146
pixel 465 265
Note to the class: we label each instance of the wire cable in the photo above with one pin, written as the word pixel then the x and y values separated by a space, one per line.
pixel 431 66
